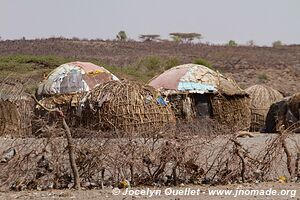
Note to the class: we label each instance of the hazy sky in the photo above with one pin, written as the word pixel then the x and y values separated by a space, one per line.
pixel 263 21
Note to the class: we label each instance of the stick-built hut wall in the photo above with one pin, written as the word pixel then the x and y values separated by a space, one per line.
pixel 230 110
pixel 15 111
pixel 127 106
pixel 69 104
pixel 283 114
pixel 189 106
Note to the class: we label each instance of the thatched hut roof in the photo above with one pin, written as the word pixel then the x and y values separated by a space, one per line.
pixel 74 77
pixel 261 98
pixel 127 106
pixel 193 78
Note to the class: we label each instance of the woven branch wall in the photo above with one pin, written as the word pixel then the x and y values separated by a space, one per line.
pixel 233 111
pixel 15 117
pixel 127 106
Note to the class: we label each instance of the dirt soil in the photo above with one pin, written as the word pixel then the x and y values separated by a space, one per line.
pixel 204 193
pixel 278 67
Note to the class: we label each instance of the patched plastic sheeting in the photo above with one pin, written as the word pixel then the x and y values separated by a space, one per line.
pixel 200 88
pixel 169 79
pixel 200 74
pixel 194 79
pixel 73 82
pixel 73 78
pixel 61 78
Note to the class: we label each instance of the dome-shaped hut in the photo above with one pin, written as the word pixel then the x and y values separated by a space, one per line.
pixel 126 106
pixel 67 84
pixel 261 98
pixel 74 77
pixel 197 91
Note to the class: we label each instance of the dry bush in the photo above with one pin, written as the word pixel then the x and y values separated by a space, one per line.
pixel 190 153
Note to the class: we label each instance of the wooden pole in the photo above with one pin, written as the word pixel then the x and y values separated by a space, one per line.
pixel 70 144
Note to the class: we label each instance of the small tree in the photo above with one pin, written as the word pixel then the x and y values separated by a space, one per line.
pixel 185 37
pixel 277 43
pixel 121 36
pixel 232 43
pixel 251 43
pixel 149 37
pixel 176 38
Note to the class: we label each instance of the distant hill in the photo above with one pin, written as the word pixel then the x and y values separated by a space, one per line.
pixel 278 67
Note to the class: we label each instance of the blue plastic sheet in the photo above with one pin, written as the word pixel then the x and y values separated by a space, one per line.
pixel 201 87
pixel 161 101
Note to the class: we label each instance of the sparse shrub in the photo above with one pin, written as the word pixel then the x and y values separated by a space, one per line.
pixel 201 61
pixel 262 77
pixel 145 68
pixel 171 62
pixel 277 43
pixel 150 63
pixel 232 43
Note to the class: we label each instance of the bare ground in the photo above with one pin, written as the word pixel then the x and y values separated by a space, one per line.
pixel 107 193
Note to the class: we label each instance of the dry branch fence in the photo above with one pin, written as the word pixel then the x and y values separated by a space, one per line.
pixel 190 154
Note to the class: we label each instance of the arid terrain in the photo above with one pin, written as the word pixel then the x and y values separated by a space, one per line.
pixel 278 67
pixel 230 160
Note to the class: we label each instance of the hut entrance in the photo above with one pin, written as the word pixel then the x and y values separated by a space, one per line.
pixel 202 105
